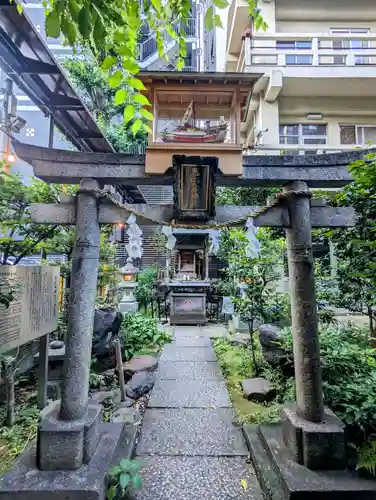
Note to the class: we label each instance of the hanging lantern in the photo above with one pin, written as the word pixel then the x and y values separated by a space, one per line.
pixel 194 187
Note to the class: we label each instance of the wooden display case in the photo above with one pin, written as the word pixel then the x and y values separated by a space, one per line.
pixel 196 114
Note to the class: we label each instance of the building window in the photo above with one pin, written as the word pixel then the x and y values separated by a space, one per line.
pixel 354 45
pixel 302 134
pixel 357 134
pixel 30 132
pixel 292 59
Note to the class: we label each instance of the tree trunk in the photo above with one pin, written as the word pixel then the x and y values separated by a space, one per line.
pixel 372 332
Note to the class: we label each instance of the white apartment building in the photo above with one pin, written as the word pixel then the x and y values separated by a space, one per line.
pixel 317 58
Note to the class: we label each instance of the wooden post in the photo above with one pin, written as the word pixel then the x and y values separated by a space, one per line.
pixel 119 365
pixel 43 371
pixel 9 381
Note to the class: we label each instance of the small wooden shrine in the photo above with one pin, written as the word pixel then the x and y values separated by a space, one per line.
pixel 197 114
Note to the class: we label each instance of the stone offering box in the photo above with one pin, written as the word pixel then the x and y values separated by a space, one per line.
pixel 188 302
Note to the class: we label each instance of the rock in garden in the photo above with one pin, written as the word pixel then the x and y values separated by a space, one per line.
pixel 107 324
pixel 129 416
pixel 270 340
pixel 140 363
pixel 127 403
pixel 56 344
pixel 139 384
pixel 258 389
pixel 101 396
pixel 242 339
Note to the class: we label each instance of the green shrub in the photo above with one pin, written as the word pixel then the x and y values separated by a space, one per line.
pixel 141 334
pixel 145 282
pixel 349 377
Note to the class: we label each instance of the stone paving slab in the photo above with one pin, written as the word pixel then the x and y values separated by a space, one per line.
pixel 192 342
pixel 187 331
pixel 188 370
pixel 182 394
pixel 192 478
pixel 214 331
pixel 193 431
pixel 172 352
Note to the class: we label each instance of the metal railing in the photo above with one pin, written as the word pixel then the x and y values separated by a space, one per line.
pixel 149 47
pixel 304 149
pixel 304 49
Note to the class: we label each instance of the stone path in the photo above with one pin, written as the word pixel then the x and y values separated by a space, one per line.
pixel 189 446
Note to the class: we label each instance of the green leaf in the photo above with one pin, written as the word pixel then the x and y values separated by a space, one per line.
pixel 69 30
pixel 136 126
pixel 19 8
pixel 115 79
pixel 74 10
pixel 131 66
pixel 217 21
pixel 136 84
pixel 111 493
pixel 209 17
pixel 136 481
pixel 125 463
pixel 157 4
pixel 180 64
pixel 124 51
pixel 124 480
pixel 141 99
pixel 114 471
pixel 146 114
pixel 120 96
pixel 108 62
pixel 84 21
pixel 147 128
pixel 129 113
pixel 53 24
pixel 221 4
pixel 99 32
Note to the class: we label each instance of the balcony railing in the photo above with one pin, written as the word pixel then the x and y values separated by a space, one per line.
pixel 302 49
pixel 300 149
pixel 149 47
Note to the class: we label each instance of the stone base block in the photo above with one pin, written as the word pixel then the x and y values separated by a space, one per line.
pixel 282 478
pixel 67 445
pixel 315 445
pixel 27 482
pixel 125 307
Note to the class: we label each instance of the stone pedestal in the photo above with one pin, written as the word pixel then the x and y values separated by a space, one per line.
pixel 317 446
pixel 66 445
pixel 27 482
pixel 128 301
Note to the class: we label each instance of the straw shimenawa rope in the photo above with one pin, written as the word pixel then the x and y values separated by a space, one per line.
pixel 279 198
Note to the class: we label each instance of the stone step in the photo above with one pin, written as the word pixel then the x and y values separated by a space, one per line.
pixel 281 478
pixel 193 431
pixel 172 352
pixel 182 394
pixel 193 478
pixel 189 370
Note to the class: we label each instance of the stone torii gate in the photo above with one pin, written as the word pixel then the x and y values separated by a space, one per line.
pixel 69 433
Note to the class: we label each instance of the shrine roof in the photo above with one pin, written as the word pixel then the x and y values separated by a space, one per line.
pixel 198 78
pixel 27 60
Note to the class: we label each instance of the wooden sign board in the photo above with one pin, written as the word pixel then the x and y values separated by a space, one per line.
pixel 34 312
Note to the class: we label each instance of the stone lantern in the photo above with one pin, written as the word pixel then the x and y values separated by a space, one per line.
pixel 129 271
pixel 127 284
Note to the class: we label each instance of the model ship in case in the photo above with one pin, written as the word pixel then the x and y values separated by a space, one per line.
pixel 187 132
